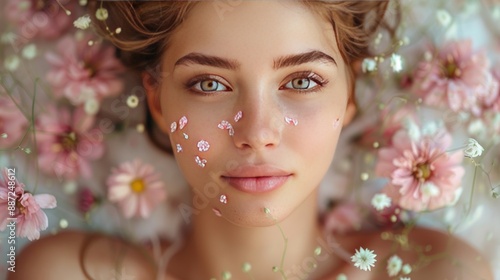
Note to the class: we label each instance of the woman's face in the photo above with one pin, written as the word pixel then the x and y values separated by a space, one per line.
pixel 277 63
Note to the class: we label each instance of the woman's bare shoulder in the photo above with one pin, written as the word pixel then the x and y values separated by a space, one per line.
pixel 79 255
pixel 432 254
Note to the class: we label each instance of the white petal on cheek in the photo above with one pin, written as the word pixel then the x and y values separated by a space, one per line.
pixel 183 122
pixel 291 121
pixel 226 125
pixel 179 148
pixel 200 161
pixel 203 146
pixel 173 127
pixel 185 136
pixel 238 116
pixel 217 212
pixel 223 199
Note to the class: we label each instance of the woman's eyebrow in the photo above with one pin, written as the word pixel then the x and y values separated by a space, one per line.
pixel 301 58
pixel 281 62
pixel 209 60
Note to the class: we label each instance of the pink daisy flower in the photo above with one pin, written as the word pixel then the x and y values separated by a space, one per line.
pixel 66 143
pixel 423 176
pixel 27 212
pixel 458 77
pixel 136 187
pixel 81 72
pixel 12 122
pixel 39 19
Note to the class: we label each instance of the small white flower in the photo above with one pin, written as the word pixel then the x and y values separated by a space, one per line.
pixel 82 22
pixel 12 62
pixel 341 276
pixel 368 65
pixel 91 106
pixel 473 148
pixel 394 265
pixel 381 201
pixel 83 2
pixel 101 14
pixel 364 259
pixel 406 269
pixel 443 17
pixel 404 278
pixel 29 51
pixel 132 101
pixel 396 63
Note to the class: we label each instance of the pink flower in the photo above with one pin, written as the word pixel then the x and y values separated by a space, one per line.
pixel 12 122
pixel 423 176
pixel 27 210
pixel 81 72
pixel 66 143
pixel 136 187
pixel 458 77
pixel 39 19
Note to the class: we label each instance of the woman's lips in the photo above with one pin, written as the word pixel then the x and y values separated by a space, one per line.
pixel 256 179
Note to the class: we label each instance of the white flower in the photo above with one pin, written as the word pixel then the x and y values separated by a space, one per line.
pixel 101 14
pixel 364 259
pixel 341 276
pixel 12 62
pixel 443 17
pixel 82 22
pixel 406 269
pixel 396 62
pixel 381 201
pixel 473 148
pixel 394 265
pixel 368 65
pixel 29 52
pixel 91 106
pixel 132 101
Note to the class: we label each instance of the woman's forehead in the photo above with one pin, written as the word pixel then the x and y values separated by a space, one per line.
pixel 253 31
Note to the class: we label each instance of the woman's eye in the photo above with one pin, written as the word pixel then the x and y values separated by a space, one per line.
pixel 301 83
pixel 209 85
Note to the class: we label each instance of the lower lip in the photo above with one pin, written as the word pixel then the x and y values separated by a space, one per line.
pixel 256 184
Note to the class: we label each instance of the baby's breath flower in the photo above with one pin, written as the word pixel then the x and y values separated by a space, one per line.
pixel 396 63
pixel 473 148
pixel 364 259
pixel 82 22
pixel 341 276
pixel 29 51
pixel 406 269
pixel 82 2
pixel 11 62
pixel 368 65
pixel 101 14
pixel 394 265
pixel 246 267
pixel 91 106
pixel 381 201
pixel 132 101
pixel 443 17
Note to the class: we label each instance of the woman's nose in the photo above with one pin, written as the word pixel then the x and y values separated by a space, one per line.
pixel 260 126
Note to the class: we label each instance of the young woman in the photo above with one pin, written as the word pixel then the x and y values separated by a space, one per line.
pixel 253 96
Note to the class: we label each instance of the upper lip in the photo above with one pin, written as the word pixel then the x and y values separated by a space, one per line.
pixel 252 171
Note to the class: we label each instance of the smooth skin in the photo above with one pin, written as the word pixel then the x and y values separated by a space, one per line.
pixel 248 47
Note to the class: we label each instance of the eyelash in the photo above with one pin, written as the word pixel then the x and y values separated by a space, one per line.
pixel 299 75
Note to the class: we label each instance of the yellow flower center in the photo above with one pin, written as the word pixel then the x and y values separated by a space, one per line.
pixel 69 142
pixel 422 171
pixel 451 69
pixel 137 185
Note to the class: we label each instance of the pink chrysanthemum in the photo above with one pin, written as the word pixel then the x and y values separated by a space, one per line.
pixel 12 122
pixel 136 187
pixel 423 176
pixel 28 214
pixel 81 72
pixel 39 19
pixel 66 143
pixel 457 77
